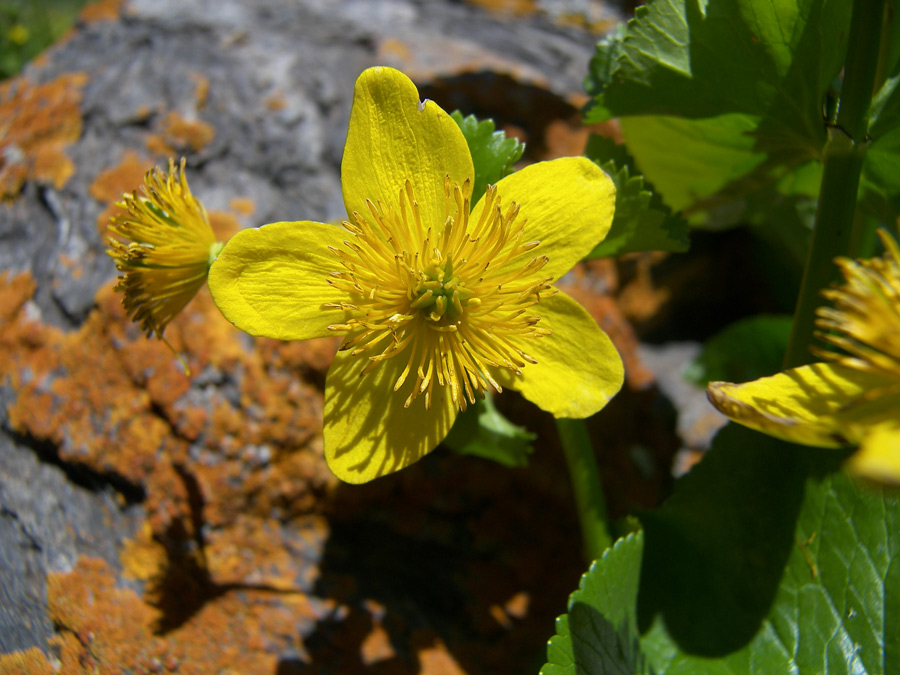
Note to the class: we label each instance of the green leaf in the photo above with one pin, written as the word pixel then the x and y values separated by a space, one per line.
pixel 884 114
pixel 492 152
pixel 604 62
pixel 691 160
pixel 746 350
pixel 484 432
pixel 879 184
pixel 715 552
pixel 599 633
pixel 765 562
pixel 720 100
pixel 641 221
pixel 702 59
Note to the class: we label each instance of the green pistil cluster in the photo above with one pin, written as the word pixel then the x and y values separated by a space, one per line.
pixel 441 295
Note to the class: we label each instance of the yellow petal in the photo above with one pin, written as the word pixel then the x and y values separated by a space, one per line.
pixel 578 369
pixel 368 433
pixel 568 204
pixel 878 458
pixel 271 281
pixel 817 405
pixel 394 138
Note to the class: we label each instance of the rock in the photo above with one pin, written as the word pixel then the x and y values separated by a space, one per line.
pixel 143 513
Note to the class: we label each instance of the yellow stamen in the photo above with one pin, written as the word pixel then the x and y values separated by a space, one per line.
pixel 452 296
pixel 163 245
pixel 864 323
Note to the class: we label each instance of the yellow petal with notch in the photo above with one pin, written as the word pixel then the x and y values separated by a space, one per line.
pixel 394 138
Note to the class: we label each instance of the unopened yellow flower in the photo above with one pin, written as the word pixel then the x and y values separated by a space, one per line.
pixel 853 398
pixel 164 249
pixel 438 302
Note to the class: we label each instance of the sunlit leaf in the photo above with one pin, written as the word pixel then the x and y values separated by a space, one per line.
pixel 599 633
pixel 492 152
pixel 690 160
pixel 641 221
pixel 781 58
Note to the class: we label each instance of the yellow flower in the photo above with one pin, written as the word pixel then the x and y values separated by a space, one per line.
pixel 438 302
pixel 853 398
pixel 168 248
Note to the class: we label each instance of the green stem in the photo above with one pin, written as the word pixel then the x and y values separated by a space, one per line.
pixel 586 487
pixel 842 164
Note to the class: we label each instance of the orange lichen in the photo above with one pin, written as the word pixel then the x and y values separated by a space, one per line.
pixel 114 630
pixel 642 298
pixel 565 138
pixel 393 48
pixel 37 122
pixel 516 8
pixel 243 206
pixel 111 184
pixel 14 293
pixel 102 10
pixel 275 101
pixel 599 24
pixel 224 225
pixel 29 662
pixel 119 404
pixel 434 657
pixel 178 136
pixel 201 89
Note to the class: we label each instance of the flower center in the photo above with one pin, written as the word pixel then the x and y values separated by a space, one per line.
pixel 449 299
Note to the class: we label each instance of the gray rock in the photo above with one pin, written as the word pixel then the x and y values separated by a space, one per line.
pixel 46 522
pixel 304 54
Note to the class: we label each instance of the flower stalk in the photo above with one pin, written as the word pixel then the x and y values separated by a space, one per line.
pixel 842 164
pixel 586 486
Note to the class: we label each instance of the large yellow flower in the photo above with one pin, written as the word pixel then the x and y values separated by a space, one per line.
pixel 853 398
pixel 438 302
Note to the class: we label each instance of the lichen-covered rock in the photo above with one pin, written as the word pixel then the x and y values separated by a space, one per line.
pixel 151 521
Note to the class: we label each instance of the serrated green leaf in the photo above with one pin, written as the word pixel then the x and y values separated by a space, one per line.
pixel 746 350
pixel 691 160
pixel 599 633
pixel 719 100
pixel 641 221
pixel 748 579
pixel 603 62
pixel 493 154
pixel 715 552
pixel 781 58
pixel 483 431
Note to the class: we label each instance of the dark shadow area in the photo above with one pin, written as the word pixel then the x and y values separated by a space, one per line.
pixel 598 647
pixel 715 554
pixel 462 561
pixel 185 584
pixel 78 474
pixel 718 281
pixel 523 109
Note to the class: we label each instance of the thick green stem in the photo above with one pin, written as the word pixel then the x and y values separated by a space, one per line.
pixel 842 163
pixel 586 487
